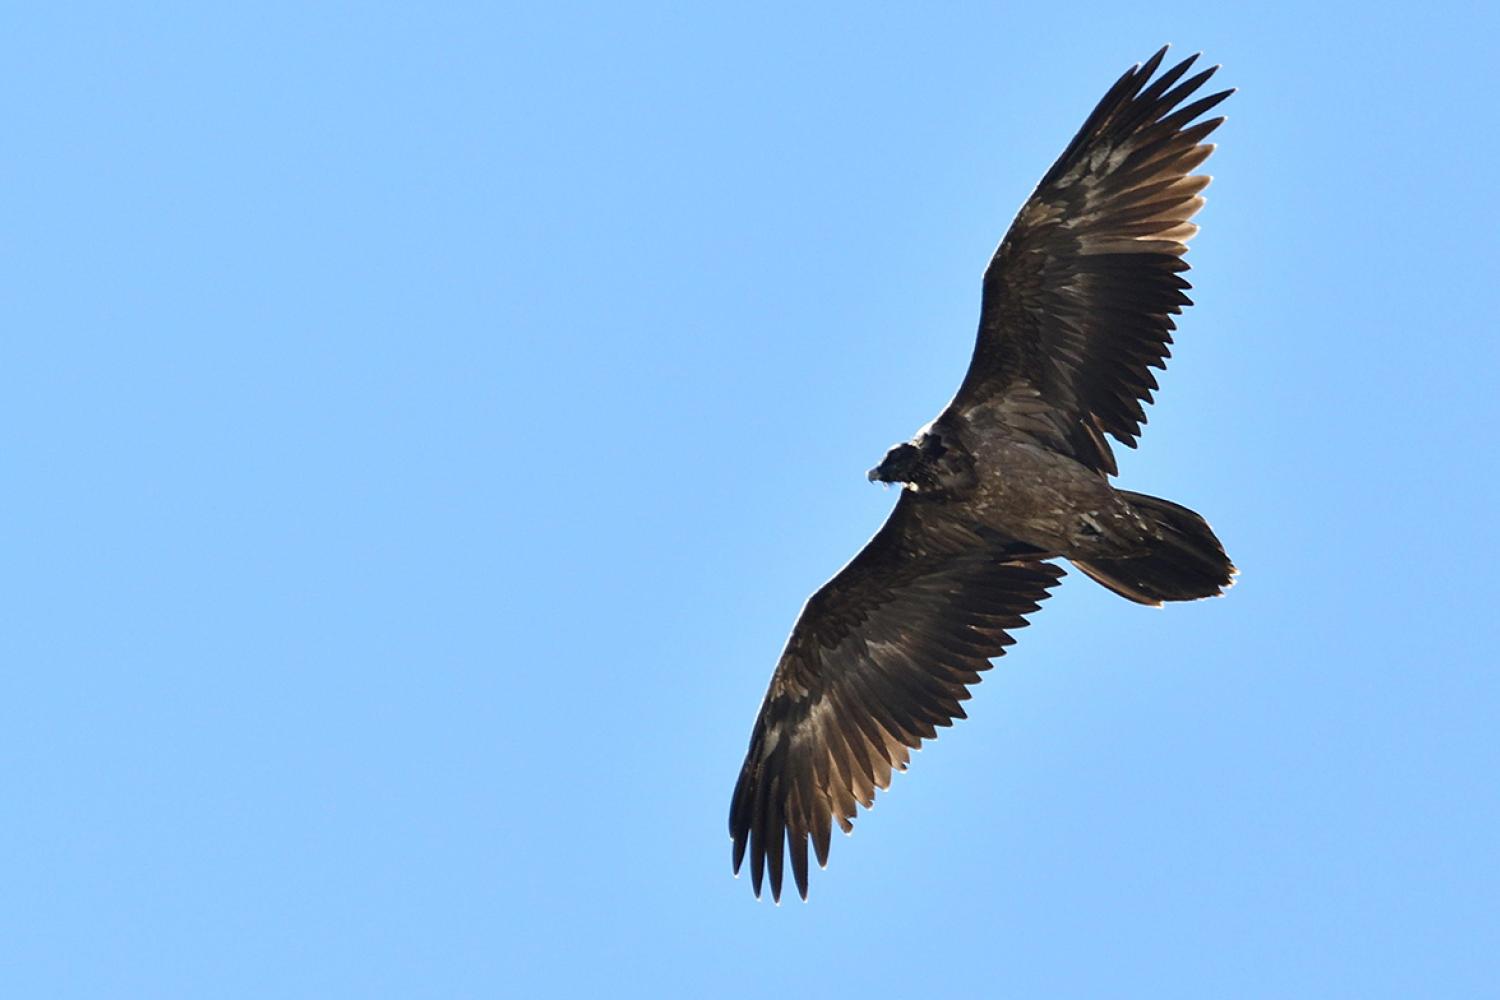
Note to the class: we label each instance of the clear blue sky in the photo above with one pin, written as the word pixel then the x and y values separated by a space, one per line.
pixel 421 428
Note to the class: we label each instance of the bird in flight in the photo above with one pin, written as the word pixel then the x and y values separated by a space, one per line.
pixel 1076 307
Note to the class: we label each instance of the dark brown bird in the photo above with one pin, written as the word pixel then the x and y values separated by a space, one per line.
pixel 1077 306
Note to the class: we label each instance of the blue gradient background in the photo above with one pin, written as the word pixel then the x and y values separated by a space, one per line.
pixel 421 427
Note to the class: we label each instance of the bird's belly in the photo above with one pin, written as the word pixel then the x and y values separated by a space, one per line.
pixel 1053 502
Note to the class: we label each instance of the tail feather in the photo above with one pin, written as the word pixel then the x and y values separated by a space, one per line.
pixel 1186 563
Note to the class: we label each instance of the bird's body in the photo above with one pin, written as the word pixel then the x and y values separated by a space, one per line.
pixel 985 474
pixel 1014 473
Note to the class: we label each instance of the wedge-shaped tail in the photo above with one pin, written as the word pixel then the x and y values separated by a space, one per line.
pixel 1185 564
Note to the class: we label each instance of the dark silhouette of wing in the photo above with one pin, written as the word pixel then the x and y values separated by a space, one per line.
pixel 880 657
pixel 1078 300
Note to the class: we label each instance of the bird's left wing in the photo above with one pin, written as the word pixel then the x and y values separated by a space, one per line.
pixel 1079 298
pixel 881 655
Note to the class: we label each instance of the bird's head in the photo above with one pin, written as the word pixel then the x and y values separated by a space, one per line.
pixel 899 465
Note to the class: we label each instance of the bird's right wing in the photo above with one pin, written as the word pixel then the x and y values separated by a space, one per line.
pixel 881 655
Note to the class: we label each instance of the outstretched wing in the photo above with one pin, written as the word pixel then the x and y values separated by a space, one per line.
pixel 880 657
pixel 1078 300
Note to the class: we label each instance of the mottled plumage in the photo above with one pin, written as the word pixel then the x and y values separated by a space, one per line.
pixel 1076 309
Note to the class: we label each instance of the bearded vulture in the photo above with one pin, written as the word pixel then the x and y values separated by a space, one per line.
pixel 1076 309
